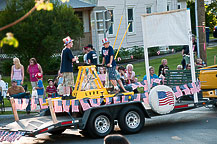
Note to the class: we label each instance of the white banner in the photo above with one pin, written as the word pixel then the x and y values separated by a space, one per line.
pixel 165 29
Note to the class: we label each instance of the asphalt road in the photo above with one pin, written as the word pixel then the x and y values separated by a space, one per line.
pixel 197 126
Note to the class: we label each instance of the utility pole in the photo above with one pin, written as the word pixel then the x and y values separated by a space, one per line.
pixel 201 29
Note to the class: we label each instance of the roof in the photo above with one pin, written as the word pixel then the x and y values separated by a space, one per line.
pixel 71 3
pixel 79 4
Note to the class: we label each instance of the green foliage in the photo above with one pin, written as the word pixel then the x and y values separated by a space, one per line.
pixel 210 15
pixel 40 35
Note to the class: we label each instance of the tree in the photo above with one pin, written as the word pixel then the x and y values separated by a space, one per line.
pixel 40 35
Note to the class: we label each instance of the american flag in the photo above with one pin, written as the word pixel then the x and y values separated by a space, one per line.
pixel 66 105
pixel 165 98
pixel 18 104
pixel 156 80
pixel 33 103
pixel 75 104
pixel 192 87
pixel 3 135
pixel 94 102
pixel 58 106
pixel 42 101
pixel 185 89
pixel 117 100
pixel 108 100
pixel 125 99
pixel 85 105
pixel 136 97
pixel 198 86
pixel 177 91
pixel 25 103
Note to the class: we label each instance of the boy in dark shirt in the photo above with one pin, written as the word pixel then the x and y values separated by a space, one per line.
pixel 91 56
pixel 108 59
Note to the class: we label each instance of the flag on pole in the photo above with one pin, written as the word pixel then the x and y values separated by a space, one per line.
pixel 157 80
pixel 66 105
pixel 125 99
pixel 108 100
pixel 75 104
pixel 177 91
pixel 85 105
pixel 117 99
pixel 58 106
pixel 185 89
pixel 192 87
pixel 198 86
pixel 165 98
pixel 42 101
pixel 25 103
pixel 136 97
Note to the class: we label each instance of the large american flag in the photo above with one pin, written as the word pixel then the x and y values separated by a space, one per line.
pixel 75 104
pixel 85 105
pixel 165 98
pixel 58 106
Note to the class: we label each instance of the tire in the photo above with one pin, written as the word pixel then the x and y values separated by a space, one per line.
pixel 100 124
pixel 131 119
pixel 57 132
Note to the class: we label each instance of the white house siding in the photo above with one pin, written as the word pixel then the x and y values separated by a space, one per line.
pixel 86 21
pixel 119 8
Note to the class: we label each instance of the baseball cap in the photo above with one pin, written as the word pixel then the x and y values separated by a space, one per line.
pixel 38 75
pixel 13 80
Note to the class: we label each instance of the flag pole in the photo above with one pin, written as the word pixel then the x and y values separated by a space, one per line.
pixel 118 31
pixel 122 41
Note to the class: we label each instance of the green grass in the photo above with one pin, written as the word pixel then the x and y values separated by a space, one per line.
pixel 10 112
pixel 211 36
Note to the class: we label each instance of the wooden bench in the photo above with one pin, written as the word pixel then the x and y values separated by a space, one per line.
pixel 179 77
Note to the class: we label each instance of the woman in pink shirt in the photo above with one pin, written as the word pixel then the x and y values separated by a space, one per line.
pixel 17 71
pixel 33 69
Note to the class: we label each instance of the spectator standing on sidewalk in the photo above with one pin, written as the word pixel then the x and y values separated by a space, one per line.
pixel 33 69
pixel 17 71
pixel 66 66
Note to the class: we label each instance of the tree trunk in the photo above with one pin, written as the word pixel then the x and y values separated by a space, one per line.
pixel 201 29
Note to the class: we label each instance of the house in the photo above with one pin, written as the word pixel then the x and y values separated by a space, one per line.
pixel 131 10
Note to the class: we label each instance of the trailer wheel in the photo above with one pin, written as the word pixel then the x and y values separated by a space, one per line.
pixel 131 119
pixel 100 124
pixel 57 132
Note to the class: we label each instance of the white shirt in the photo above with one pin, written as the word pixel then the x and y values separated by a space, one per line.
pixel 4 88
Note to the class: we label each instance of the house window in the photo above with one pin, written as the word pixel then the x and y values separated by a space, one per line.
pixel 130 19
pixel 168 7
pixel 148 10
pixel 179 6
pixel 111 29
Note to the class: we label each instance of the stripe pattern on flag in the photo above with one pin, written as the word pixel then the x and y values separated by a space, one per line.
pixel 165 98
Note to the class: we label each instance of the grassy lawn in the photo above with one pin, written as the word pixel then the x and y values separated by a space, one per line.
pixel 211 36
pixel 173 61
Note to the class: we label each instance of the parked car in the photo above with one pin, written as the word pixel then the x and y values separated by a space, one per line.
pixel 215 32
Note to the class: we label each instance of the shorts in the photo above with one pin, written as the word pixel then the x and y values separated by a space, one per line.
pixel 68 79
pixel 113 74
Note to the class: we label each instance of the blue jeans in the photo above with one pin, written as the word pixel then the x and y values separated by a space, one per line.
pixel 23 95
pixel 19 82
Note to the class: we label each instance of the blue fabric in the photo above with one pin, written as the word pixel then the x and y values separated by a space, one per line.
pixel 23 95
pixel 151 77
pixel 40 85
pixel 19 82
pixel 92 57
pixel 66 61
pixel 107 53
pixel 60 81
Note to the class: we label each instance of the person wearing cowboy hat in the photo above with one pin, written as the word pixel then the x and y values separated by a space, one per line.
pixel 66 66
